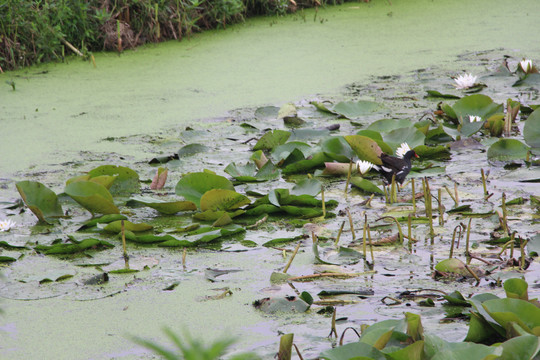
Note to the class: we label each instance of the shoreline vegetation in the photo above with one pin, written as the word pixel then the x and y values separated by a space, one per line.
pixel 40 31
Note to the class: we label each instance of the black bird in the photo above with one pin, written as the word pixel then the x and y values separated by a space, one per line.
pixel 392 165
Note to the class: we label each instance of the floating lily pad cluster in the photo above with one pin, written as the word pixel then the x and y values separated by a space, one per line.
pixel 292 165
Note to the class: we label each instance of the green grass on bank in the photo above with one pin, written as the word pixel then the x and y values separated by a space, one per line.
pixel 40 31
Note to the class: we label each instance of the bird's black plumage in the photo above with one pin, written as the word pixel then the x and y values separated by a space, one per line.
pixel 392 165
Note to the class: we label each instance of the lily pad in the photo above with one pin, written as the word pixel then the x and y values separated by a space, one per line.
pixel 387 125
pixel 307 187
pixel 531 130
pixel 476 105
pixel 73 248
pixel 365 148
pixel 507 149
pixel 272 139
pixel 105 180
pixel 338 149
pixel 282 305
pixel 356 109
pixel 250 172
pixel 116 226
pixel 164 207
pixel 126 180
pixel 411 136
pixel 223 199
pixel 192 186
pixel 192 149
pixel 105 219
pixel 516 288
pixel 366 185
pixel 437 94
pixel 41 200
pixel 508 310
pixel 92 196
pixel 453 265
pixel 355 350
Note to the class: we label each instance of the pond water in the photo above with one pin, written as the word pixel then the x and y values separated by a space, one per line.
pixel 65 119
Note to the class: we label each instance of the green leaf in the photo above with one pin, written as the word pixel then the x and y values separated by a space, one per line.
pixel 525 347
pixel 366 185
pixel 436 94
pixel 116 226
pixel 351 351
pixel 411 136
pixel 437 349
pixel 192 186
pixel 338 149
pixel 126 180
pixel 365 148
pixel 531 130
pixel 105 219
pixel 222 199
pixel 64 249
pixel 356 109
pixel 476 105
pixel 432 152
pixel 506 311
pixel 507 149
pixel 303 166
pixel 282 152
pixel 455 298
pixel 415 351
pixel 516 288
pixel 282 305
pixel 414 326
pixel 250 173
pixel 192 149
pixel 387 125
pixel 307 187
pixel 164 207
pixel 92 196
pixel 453 265
pixel 272 139
pixel 41 200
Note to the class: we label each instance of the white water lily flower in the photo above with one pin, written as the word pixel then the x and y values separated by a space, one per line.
pixel 363 166
pixel 526 65
pixel 6 225
pixel 402 150
pixel 465 81
pixel 474 118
